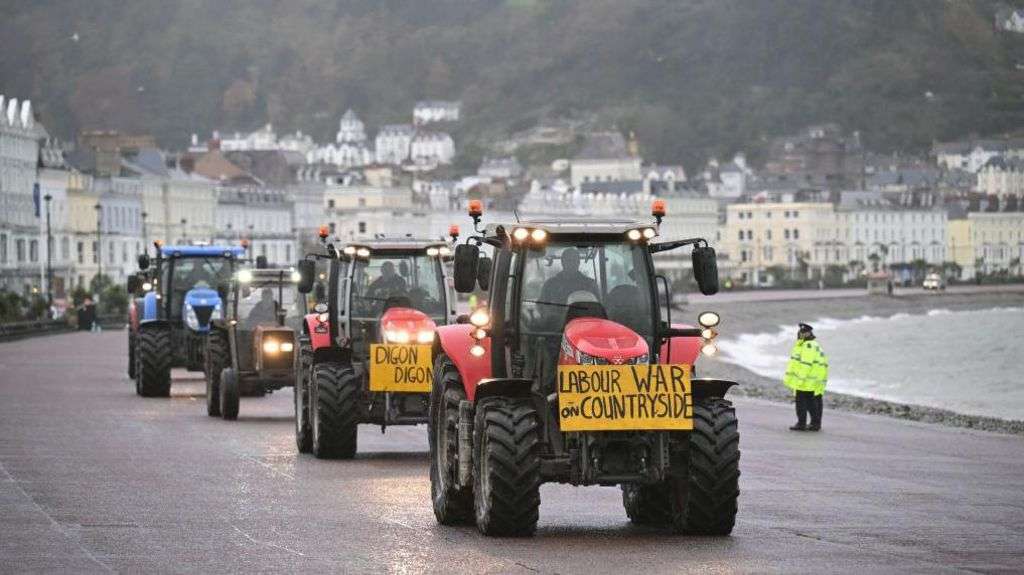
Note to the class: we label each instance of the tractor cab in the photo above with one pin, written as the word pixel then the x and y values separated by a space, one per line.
pixel 252 351
pixel 180 293
pixel 370 345
pixel 574 372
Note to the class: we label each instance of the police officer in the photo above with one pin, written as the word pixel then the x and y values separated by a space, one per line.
pixel 806 375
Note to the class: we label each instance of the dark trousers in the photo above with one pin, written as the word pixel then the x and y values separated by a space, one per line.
pixel 807 402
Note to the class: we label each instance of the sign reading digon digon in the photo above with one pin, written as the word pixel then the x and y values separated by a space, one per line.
pixel 400 368
pixel 624 397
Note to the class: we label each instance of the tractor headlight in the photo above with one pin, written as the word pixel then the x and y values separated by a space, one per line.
pixel 296 277
pixel 425 336
pixel 477 350
pixel 709 349
pixel 146 286
pixel 244 276
pixel 271 346
pixel 190 317
pixel 587 359
pixel 708 319
pixel 480 317
pixel 400 336
pixel 287 346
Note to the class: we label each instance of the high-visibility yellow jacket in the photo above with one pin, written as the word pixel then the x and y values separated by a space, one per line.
pixel 807 369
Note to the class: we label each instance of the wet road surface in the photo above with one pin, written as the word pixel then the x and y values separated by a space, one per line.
pixel 95 479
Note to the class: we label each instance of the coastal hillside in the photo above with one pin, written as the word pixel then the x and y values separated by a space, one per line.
pixel 691 77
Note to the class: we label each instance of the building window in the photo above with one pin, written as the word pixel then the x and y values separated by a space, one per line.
pixel 768 234
pixel 19 250
pixel 333 227
pixel 741 235
pixel 741 215
pixel 785 233
pixel 288 253
pixel 330 203
pixel 64 247
pixel 796 234
pixel 362 227
pixel 81 252
pixel 785 214
pixel 362 202
pixel 33 251
pixel 95 253
pixel 796 215
pixel 3 248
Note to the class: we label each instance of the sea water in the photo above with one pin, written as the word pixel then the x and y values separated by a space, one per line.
pixel 969 362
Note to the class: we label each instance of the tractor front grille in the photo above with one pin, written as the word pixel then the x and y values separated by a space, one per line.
pixel 203 313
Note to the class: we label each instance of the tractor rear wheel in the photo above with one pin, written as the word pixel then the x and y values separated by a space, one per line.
pixel 153 365
pixel 704 490
pixel 506 482
pixel 453 505
pixel 303 431
pixel 228 394
pixel 335 402
pixel 216 352
pixel 646 504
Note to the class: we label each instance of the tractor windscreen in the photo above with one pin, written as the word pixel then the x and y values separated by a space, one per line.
pixel 259 303
pixel 185 273
pixel 397 280
pixel 608 277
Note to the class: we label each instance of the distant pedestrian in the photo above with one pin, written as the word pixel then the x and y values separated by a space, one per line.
pixel 806 375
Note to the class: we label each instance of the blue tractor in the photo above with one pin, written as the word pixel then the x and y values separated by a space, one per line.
pixel 179 294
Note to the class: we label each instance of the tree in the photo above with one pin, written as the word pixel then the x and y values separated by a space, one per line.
pixel 874 258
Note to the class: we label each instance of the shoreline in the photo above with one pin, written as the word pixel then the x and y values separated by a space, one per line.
pixel 751 317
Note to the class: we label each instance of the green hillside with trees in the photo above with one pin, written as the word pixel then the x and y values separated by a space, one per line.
pixel 691 77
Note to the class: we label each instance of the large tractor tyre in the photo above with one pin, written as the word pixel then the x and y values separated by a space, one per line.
pixel 131 356
pixel 303 430
pixel 229 394
pixel 506 460
pixel 452 505
pixel 335 399
pixel 215 356
pixel 646 504
pixel 704 490
pixel 153 365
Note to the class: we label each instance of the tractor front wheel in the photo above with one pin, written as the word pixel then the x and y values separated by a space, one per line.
pixel 229 394
pixel 704 488
pixel 153 365
pixel 303 431
pixel 131 355
pixel 334 397
pixel 506 482
pixel 453 505
pixel 214 363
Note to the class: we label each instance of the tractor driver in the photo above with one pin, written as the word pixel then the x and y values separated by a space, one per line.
pixel 558 287
pixel 265 311
pixel 389 283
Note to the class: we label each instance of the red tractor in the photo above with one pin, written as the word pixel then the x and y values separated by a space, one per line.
pixel 365 355
pixel 573 372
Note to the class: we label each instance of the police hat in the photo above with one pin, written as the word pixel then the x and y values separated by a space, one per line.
pixel 805 327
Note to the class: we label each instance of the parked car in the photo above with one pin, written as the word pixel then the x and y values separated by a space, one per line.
pixel 934 282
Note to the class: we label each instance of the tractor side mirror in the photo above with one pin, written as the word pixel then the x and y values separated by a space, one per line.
pixel 467 257
pixel 307 274
pixel 705 269
pixel 143 262
pixel 134 283
pixel 261 262
pixel 483 272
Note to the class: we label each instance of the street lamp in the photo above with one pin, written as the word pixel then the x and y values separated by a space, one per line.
pixel 145 240
pixel 49 252
pixel 99 241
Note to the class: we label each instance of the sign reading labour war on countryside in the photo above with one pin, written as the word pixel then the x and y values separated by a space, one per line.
pixel 624 397
pixel 401 368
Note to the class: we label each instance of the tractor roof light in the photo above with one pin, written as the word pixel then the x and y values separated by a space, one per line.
pixel 477 350
pixel 709 349
pixel 658 209
pixel 432 252
pixel 323 232
pixel 538 235
pixel 708 319
pixel 444 251
pixel 479 333
pixel 349 250
pixel 634 235
pixel 476 209
pixel 363 252
pixel 296 276
pixel 244 244
pixel 520 234
pixel 708 333
pixel 480 317
pixel 453 231
pixel 648 233
pixel 244 276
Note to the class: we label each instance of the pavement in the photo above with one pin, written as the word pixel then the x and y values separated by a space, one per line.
pixel 96 479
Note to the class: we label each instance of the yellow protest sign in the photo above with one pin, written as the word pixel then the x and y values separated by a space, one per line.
pixel 400 368
pixel 624 397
